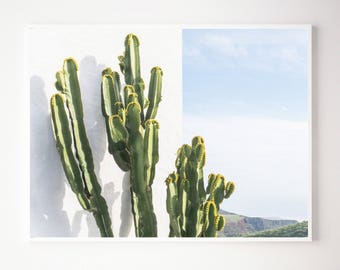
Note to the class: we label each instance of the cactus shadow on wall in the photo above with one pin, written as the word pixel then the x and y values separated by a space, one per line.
pixel 90 80
pixel 47 180
pixel 108 192
pixel 90 83
pixel 47 190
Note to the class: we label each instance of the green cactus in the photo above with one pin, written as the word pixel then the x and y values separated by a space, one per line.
pixel 193 211
pixel 133 134
pixel 78 166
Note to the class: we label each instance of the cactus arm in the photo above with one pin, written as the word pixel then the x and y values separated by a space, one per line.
pixel 150 150
pixel 118 137
pixel 194 172
pixel 131 60
pixel 172 205
pixel 130 66
pixel 210 215
pixel 155 92
pixel 74 105
pixel 217 186
pixel 198 193
pixel 182 153
pixel 63 138
pixel 199 149
pixel 67 81
pixel 183 187
pixel 183 198
pixel 110 92
pixel 229 189
pixel 188 189
pixel 219 222
pixel 119 133
pixel 146 226
pixel 211 179
pixel 111 104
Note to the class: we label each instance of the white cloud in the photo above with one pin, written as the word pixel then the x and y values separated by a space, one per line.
pixel 284 108
pixel 263 51
pixel 265 157
pixel 194 54
pixel 263 37
pixel 224 45
pixel 290 58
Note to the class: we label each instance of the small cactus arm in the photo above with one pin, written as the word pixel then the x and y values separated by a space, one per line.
pixel 112 110
pixel 212 222
pixel 130 66
pixel 78 167
pixel 192 209
pixel 132 134
pixel 173 205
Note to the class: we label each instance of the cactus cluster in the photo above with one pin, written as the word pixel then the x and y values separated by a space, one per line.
pixel 73 145
pixel 192 209
pixel 132 133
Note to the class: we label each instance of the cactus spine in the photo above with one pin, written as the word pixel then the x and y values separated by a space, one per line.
pixel 133 134
pixel 193 211
pixel 78 167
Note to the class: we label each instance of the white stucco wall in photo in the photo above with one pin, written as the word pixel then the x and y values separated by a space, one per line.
pixel 54 209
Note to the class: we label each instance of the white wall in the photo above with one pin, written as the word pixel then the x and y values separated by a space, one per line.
pixel 319 254
pixel 54 209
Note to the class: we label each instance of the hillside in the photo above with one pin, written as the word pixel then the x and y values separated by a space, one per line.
pixel 242 226
pixel 296 230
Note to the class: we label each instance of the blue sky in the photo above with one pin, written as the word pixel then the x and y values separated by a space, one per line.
pixel 246 72
pixel 245 91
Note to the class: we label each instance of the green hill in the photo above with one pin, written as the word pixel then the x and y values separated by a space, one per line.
pixel 296 230
pixel 243 226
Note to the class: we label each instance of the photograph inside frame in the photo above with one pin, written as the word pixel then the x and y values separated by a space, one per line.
pixel 170 132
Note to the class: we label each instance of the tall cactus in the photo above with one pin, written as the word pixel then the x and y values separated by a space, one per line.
pixel 78 166
pixel 133 134
pixel 193 211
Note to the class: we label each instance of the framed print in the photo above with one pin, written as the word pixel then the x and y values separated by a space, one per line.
pixel 169 132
